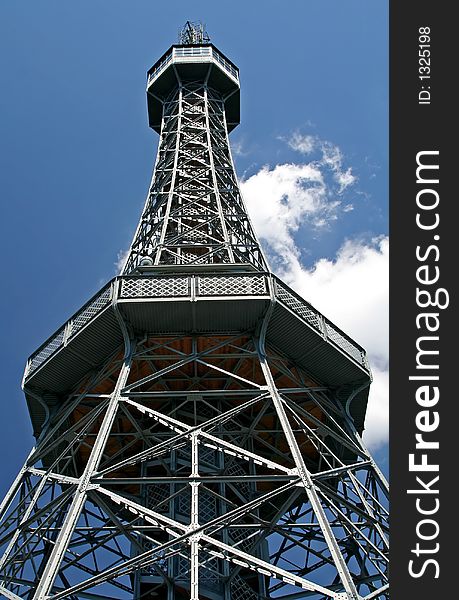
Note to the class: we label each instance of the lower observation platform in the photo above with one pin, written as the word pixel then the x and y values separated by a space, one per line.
pixel 195 302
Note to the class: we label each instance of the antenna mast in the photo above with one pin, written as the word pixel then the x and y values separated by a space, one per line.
pixel 193 33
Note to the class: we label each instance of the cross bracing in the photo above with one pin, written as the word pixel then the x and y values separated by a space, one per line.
pixel 194 213
pixel 174 468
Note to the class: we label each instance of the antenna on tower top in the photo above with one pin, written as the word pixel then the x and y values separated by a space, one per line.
pixel 193 33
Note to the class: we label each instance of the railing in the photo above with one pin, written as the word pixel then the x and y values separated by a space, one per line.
pixel 184 286
pixel 232 285
pixel 181 54
pixel 193 51
pixel 165 286
pixel 325 327
pixel 194 286
pixel 228 67
pixel 160 66
pixel 71 328
pixel 154 287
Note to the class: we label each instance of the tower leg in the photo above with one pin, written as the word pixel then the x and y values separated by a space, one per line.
pixel 52 566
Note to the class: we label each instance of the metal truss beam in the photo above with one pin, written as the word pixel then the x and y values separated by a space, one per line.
pixel 194 213
pixel 207 463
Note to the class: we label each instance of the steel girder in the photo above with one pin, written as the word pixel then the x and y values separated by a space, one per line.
pixel 194 213
pixel 197 466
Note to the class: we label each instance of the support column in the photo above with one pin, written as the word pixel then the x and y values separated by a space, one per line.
pixel 303 472
pixel 52 567
pixel 172 189
pixel 194 524
pixel 14 487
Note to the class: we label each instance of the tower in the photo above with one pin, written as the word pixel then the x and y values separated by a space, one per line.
pixel 198 423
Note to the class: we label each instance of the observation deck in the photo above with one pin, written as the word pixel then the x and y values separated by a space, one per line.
pixel 196 302
pixel 200 62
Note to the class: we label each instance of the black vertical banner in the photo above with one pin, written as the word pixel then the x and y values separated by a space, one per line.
pixel 424 365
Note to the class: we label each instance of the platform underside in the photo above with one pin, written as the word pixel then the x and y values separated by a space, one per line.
pixel 202 303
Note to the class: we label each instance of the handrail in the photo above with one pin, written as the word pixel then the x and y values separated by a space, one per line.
pixel 193 52
pixel 189 286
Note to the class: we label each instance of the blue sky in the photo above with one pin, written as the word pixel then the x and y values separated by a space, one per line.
pixel 76 156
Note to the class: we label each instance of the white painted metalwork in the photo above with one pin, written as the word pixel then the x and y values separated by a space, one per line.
pixel 93 308
pixel 218 518
pixel 341 341
pixel 39 358
pixel 194 213
pixel 309 314
pixel 193 54
pixel 232 285
pixel 155 287
pixel 298 305
pixel 185 286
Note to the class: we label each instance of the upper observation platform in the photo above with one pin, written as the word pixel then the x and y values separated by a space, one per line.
pixel 193 62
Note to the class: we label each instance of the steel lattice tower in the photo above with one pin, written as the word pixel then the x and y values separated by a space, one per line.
pixel 198 424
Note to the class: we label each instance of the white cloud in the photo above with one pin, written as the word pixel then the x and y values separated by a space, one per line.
pixel 352 288
pixel 302 143
pixel 280 198
pixel 377 417
pixel 120 260
pixel 237 148
pixel 330 156
pixel 333 157
pixel 345 179
pixel 283 198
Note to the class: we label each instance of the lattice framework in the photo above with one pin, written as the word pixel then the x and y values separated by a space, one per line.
pixel 177 465
pixel 194 212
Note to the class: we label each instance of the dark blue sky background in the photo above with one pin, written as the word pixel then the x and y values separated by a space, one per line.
pixel 76 153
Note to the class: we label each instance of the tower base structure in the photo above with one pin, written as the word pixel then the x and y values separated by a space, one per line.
pixel 189 446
